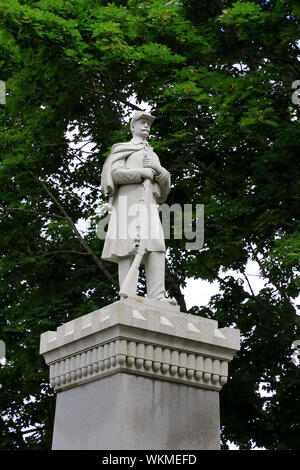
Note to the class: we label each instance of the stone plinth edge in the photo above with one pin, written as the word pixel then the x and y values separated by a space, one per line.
pixel 143 337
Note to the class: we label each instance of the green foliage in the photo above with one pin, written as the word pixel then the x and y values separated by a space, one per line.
pixel 219 80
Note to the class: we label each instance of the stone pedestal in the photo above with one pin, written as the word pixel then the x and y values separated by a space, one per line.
pixel 138 375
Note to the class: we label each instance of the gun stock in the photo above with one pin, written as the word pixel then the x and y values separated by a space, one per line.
pixel 129 285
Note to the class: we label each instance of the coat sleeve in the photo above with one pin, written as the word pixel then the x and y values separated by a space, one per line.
pixel 122 175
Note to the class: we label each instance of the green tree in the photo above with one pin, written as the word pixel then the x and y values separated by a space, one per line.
pixel 218 76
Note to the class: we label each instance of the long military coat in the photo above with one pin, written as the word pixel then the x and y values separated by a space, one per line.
pixel 133 215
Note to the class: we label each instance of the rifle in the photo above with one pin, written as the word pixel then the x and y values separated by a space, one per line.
pixel 129 285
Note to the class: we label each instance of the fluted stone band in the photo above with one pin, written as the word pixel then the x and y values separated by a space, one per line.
pixel 140 337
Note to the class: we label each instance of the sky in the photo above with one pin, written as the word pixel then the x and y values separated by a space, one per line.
pixel 198 292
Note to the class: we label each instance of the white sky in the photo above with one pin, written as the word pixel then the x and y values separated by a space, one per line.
pixel 198 292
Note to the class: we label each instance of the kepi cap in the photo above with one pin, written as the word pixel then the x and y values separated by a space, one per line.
pixel 141 114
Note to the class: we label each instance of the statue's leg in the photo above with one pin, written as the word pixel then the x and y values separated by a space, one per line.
pixel 123 268
pixel 155 275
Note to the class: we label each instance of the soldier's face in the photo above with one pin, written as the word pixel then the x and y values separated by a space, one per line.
pixel 141 128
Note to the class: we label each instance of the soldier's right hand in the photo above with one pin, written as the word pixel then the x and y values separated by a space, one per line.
pixel 148 173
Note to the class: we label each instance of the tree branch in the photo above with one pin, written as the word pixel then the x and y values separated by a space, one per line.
pixel 251 296
pixel 29 211
pixel 248 282
pixel 284 296
pixel 62 251
pixel 81 240
pixel 119 97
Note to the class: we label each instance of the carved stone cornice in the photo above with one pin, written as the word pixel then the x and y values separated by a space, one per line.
pixel 139 336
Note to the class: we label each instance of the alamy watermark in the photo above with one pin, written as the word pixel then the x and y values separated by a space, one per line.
pixel 2 350
pixel 296 94
pixel 295 357
pixel 139 221
pixel 2 92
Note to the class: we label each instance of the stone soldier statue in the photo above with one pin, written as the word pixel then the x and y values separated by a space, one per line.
pixel 136 182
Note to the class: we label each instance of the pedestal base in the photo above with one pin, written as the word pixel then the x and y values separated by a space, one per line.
pixel 138 374
pixel 126 411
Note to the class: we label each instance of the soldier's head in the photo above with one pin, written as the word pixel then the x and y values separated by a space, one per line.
pixel 140 124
